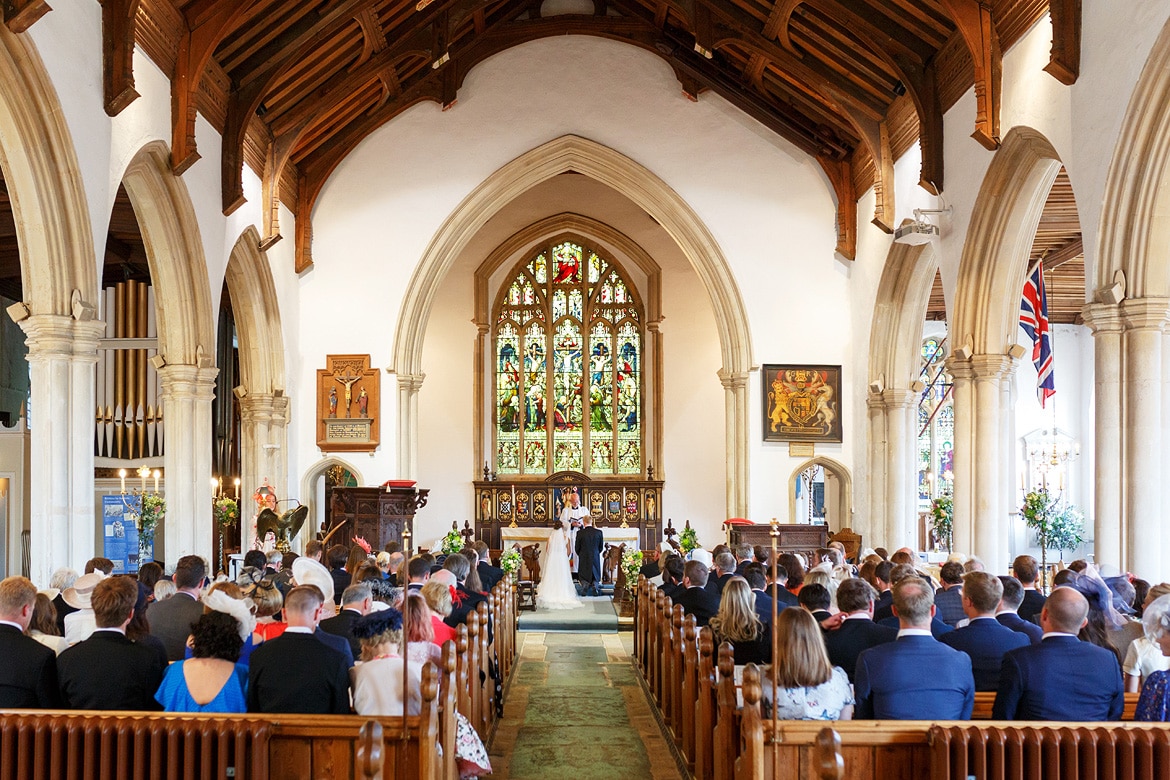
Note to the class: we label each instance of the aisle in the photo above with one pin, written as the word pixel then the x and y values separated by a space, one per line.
pixel 575 711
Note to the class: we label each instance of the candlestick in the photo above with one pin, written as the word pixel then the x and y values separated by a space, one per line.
pixel 122 477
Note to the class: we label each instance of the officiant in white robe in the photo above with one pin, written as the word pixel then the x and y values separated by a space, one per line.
pixel 571 517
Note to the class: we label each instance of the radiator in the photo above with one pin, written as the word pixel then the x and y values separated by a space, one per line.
pixel 1029 753
pixel 81 747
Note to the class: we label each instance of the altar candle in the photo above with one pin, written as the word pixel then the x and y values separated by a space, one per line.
pixel 513 499
pixel 156 476
pixel 122 477
pixel 237 488
pixel 623 499
pixel 142 472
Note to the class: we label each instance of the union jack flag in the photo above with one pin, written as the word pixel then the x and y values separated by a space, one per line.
pixel 1034 321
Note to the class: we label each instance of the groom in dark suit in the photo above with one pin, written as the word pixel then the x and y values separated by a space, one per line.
pixel 589 544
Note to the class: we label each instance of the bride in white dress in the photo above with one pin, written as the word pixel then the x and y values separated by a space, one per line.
pixel 556 589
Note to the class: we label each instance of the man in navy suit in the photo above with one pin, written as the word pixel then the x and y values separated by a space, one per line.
pixel 857 631
pixel 1013 594
pixel 915 677
pixel 885 598
pixel 1062 678
pixel 754 574
pixel 695 598
pixel 778 590
pixel 356 600
pixel 984 639
pixel 743 558
pixel 724 571
pixel 1026 570
pixel 948 600
pixel 672 575
pixel 816 598
pixel 28 676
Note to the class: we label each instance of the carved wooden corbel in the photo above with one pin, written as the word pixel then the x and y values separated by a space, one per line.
pixel 974 23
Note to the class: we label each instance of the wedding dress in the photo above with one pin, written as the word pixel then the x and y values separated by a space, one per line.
pixel 556 590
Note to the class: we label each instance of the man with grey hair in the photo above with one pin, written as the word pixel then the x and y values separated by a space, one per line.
pixel 724 571
pixel 464 601
pixel 356 600
pixel 915 677
pixel 743 556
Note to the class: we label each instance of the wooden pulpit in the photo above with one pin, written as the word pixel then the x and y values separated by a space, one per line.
pixel 376 514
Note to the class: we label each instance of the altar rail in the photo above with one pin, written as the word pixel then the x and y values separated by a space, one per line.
pixel 692 686
pixel 60 745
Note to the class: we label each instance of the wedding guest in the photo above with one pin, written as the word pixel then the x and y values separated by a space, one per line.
pixel 28 675
pixel 163 590
pixel 753 573
pixel 356 557
pixel 1154 703
pixel 171 620
pixel 99 564
pixel 1026 570
pixel 108 671
pixel 1144 656
pixel 724 570
pixel 890 683
pixel 356 601
pixel 296 672
pixel 230 599
pixel 336 558
pixel 794 568
pixel 984 639
pixel 464 600
pixel 80 623
pixel 808 686
pixel 418 571
pixel 857 632
pixel 737 623
pixel 474 582
pixel 672 574
pixel 1013 596
pixel 1062 678
pixel 212 679
pixel 268 600
pixel 420 633
pixel 881 582
pixel 438 599
pixel 694 597
pixel 138 629
pixel 489 575
pixel 948 599
pixel 148 576
pixel 61 580
pixel 43 625
pixel 816 598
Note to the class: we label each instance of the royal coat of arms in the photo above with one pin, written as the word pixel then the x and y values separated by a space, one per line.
pixel 802 403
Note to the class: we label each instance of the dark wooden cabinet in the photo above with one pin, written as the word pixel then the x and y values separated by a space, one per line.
pixel 378 515
pixel 793 538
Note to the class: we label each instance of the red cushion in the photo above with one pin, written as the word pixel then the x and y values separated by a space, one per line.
pixel 738 521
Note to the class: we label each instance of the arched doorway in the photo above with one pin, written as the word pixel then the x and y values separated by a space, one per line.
pixel 820 492
pixel 315 486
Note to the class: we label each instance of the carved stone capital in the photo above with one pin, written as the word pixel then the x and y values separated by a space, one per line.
pixel 991 368
pixel 1102 318
pixel 411 383
pixel 1145 313
pixel 734 380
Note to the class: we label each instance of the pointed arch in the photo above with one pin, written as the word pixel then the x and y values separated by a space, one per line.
pixel 663 204
pixel 309 484
pixel 44 182
pixel 845 488
pixel 257 310
pixel 894 346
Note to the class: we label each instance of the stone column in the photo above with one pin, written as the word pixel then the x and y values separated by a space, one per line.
pixel 875 526
pixel 901 437
pixel 408 387
pixel 61 355
pixel 263 451
pixel 187 392
pixel 966 455
pixel 1105 322
pixel 990 527
pixel 736 407
pixel 1144 479
pixel 1010 498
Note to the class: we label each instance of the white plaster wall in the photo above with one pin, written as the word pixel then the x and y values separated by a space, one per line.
pixel 766 204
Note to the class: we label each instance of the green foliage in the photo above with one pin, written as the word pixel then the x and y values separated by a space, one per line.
pixel 688 540
pixel 510 561
pixel 942 513
pixel 452 542
pixel 631 565
pixel 154 509
pixel 1060 526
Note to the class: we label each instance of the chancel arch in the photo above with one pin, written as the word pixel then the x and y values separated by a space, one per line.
pixel 1128 312
pixel 315 488
pixel 263 403
pixel 186 345
pixel 832 501
pixel 983 329
pixel 666 207
pixel 58 268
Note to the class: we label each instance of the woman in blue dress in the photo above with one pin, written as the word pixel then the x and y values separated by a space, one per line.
pixel 211 680
pixel 1154 703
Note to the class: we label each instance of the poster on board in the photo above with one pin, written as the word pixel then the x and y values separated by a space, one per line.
pixel 120 533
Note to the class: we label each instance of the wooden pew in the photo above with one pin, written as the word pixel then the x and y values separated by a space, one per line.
pixel 55 745
pixel 984 700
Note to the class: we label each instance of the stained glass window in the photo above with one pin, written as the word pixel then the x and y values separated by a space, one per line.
pixel 936 424
pixel 568 366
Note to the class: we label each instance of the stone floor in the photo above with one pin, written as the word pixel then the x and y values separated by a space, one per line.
pixel 575 711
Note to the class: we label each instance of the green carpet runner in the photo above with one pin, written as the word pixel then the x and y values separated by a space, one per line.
pixel 575 711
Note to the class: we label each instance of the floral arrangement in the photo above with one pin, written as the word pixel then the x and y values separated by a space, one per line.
pixel 1060 526
pixel 688 540
pixel 452 542
pixel 942 512
pixel 631 565
pixel 226 511
pixel 154 509
pixel 510 561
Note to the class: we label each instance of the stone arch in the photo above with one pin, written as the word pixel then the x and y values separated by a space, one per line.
pixel 982 332
pixel 263 403
pixel 309 490
pixel 891 401
pixel 186 344
pixel 663 204
pixel 844 488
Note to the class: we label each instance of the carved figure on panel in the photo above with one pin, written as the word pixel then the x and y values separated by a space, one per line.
pixel 363 403
pixel 333 402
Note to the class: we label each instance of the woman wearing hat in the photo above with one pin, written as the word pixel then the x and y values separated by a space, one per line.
pixel 80 624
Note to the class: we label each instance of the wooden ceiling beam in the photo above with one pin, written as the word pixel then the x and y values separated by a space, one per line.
pixel 974 23
pixel 19 15
pixel 373 37
pixel 119 28
pixel 777 24
pixel 858 16
pixel 1064 63
pixel 1070 251
pixel 249 86
pixel 840 173
pixel 206 22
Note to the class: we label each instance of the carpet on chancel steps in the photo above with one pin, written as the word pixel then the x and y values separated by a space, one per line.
pixel 575 710
pixel 595 615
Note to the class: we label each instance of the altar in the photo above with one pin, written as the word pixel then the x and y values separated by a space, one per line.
pixel 525 536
